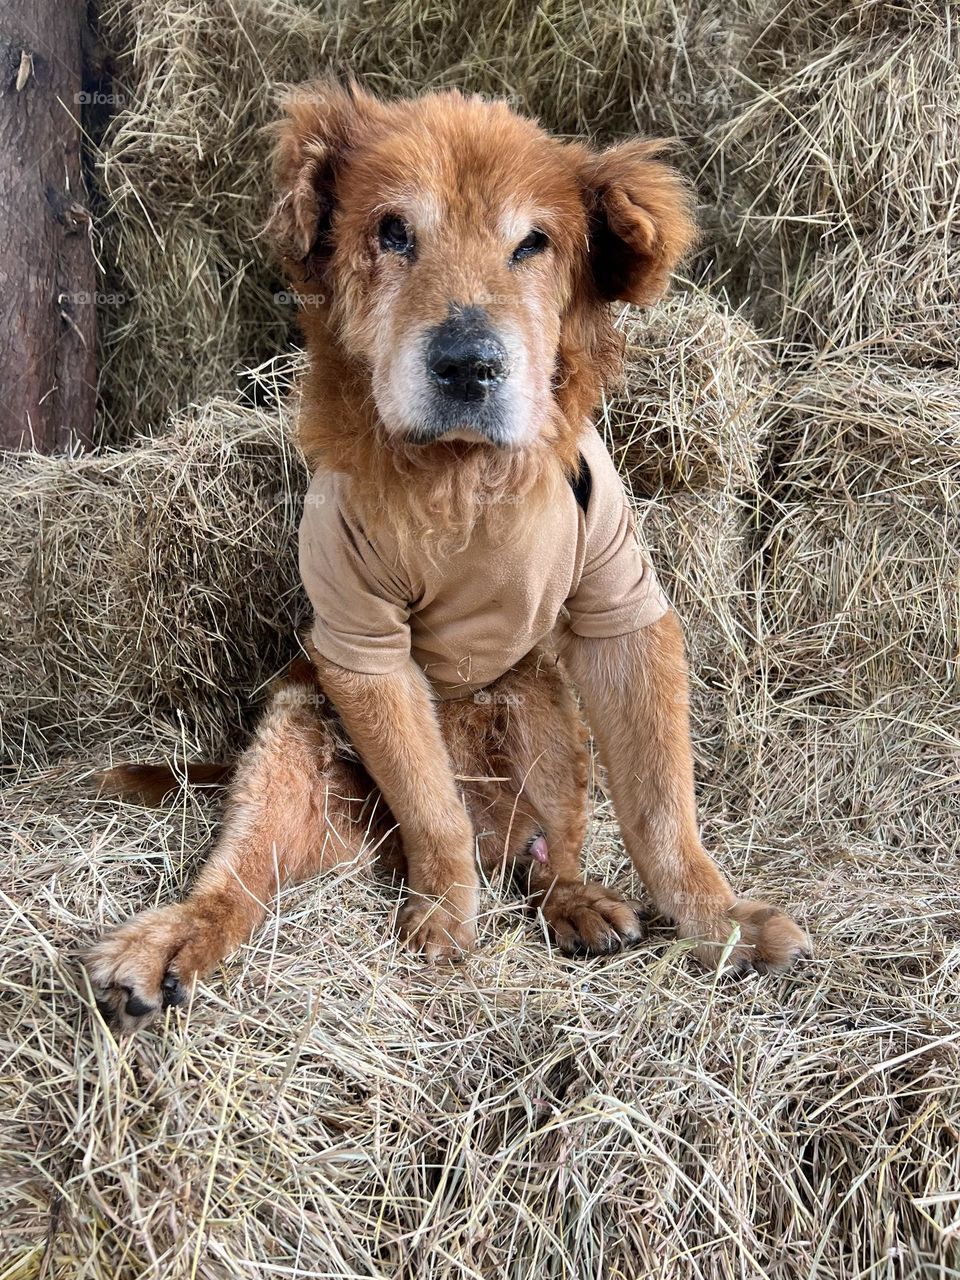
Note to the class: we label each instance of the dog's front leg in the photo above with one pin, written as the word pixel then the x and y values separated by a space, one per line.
pixel 635 690
pixel 391 721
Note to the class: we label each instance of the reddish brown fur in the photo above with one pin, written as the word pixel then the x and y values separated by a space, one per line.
pixel 440 783
pixel 150 784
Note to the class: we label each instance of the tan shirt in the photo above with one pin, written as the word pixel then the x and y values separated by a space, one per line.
pixel 467 618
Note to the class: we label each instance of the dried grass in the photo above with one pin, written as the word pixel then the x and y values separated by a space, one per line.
pixel 328 1108
pixel 698 541
pixel 846 169
pixel 851 716
pixel 154 584
pixel 863 557
pixel 691 411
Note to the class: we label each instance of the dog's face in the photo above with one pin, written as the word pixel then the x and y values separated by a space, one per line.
pixel 457 250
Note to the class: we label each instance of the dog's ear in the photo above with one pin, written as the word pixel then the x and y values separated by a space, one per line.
pixel 321 122
pixel 641 226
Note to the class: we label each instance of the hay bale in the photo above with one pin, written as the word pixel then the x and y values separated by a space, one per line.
pixel 899 299
pixel 181 173
pixel 156 584
pixel 885 771
pixel 863 557
pixel 862 429
pixel 689 414
pixel 858 580
pixel 697 542
pixel 863 598
pixel 846 166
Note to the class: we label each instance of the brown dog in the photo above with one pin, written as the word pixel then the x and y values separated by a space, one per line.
pixel 455 267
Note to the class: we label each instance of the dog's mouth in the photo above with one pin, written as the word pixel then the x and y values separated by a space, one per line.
pixel 490 433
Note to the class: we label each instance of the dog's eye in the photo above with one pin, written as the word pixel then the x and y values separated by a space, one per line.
pixel 395 236
pixel 533 242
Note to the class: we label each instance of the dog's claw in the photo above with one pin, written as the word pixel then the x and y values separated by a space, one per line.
pixel 172 992
pixel 138 1008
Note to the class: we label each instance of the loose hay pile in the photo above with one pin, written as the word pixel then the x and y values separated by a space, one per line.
pixel 327 1108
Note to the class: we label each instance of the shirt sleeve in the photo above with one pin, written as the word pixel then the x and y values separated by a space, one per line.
pixel 360 602
pixel 618 592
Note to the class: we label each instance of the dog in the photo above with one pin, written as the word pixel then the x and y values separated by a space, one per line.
pixel 468 550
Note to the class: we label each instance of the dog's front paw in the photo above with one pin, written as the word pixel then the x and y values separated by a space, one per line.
pixel 149 964
pixel 769 939
pixel 437 930
pixel 589 919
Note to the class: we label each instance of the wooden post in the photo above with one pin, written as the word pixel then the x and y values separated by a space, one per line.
pixel 48 277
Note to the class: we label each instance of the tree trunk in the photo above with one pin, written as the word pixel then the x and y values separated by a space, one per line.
pixel 47 272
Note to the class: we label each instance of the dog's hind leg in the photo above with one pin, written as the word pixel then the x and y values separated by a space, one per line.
pixel 539 817
pixel 297 806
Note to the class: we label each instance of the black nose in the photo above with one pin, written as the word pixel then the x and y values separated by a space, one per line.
pixel 465 359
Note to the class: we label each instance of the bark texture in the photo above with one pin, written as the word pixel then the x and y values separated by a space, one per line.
pixel 47 269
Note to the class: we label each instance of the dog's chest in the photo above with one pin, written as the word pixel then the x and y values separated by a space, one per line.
pixel 485 606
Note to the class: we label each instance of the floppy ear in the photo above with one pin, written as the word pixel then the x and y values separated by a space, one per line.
pixel 322 121
pixel 640 213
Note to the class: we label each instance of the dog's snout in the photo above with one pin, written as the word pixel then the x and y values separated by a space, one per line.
pixel 466 359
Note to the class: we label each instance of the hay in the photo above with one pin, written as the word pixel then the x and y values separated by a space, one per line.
pixel 866 541
pixel 699 546
pixel 885 773
pixel 850 717
pixel 867 588
pixel 153 585
pixel 869 427
pixel 180 179
pixel 329 1108
pixel 690 412
pixel 847 167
